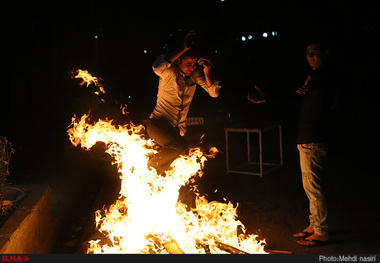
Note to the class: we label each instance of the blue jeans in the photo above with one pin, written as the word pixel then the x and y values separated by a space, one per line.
pixel 171 143
pixel 312 161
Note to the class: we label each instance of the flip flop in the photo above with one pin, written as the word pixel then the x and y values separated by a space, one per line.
pixel 302 234
pixel 312 242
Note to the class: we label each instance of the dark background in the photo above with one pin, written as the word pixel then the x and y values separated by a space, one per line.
pixel 45 40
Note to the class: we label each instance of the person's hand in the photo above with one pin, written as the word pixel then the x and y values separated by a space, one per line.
pixel 189 40
pixel 257 96
pixel 206 64
pixel 305 88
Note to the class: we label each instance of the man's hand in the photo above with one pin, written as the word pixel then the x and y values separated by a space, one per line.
pixel 206 64
pixel 189 40
pixel 187 43
pixel 305 88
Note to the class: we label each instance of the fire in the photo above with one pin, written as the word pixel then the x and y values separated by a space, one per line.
pixel 89 79
pixel 148 214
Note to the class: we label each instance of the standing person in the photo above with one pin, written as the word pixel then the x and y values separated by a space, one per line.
pixel 179 77
pixel 317 98
pixel 318 95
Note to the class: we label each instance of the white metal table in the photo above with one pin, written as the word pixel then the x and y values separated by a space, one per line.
pixel 249 167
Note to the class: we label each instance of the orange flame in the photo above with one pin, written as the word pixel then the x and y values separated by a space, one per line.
pixel 148 213
pixel 89 79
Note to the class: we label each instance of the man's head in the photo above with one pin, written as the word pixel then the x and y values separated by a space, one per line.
pixel 187 63
pixel 316 54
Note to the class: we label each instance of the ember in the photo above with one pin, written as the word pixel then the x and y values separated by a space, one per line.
pixel 148 217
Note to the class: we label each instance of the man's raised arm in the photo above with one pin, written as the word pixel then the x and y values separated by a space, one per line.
pixel 187 43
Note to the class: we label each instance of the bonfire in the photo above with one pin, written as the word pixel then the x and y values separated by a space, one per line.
pixel 148 216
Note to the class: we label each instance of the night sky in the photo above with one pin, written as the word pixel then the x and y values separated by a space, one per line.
pixel 118 41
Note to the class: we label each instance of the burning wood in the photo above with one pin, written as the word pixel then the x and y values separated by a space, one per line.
pixel 279 252
pixel 234 250
pixel 229 249
pixel 173 248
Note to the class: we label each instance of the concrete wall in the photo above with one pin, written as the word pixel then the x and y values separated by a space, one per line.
pixel 27 230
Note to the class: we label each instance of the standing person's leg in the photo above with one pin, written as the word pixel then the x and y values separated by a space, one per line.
pixel 312 162
pixel 171 142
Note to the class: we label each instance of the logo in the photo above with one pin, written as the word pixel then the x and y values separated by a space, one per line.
pixel 14 258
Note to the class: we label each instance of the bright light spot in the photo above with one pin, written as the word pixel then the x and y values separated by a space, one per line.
pixel 243 38
pixel 145 51
pixel 96 37
pixel 250 37
pixel 129 96
pixel 274 33
pixel 265 34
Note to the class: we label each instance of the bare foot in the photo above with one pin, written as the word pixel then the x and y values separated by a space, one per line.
pixel 304 233
pixel 315 236
pixel 314 240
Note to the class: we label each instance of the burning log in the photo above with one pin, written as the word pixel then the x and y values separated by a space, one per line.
pixel 234 250
pixel 229 249
pixel 173 248
pixel 279 252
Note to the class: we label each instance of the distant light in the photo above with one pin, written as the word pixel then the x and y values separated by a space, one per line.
pixel 274 33
pixel 96 37
pixel 215 51
pixel 145 51
pixel 265 34
pixel 243 38
pixel 129 97
pixel 250 37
